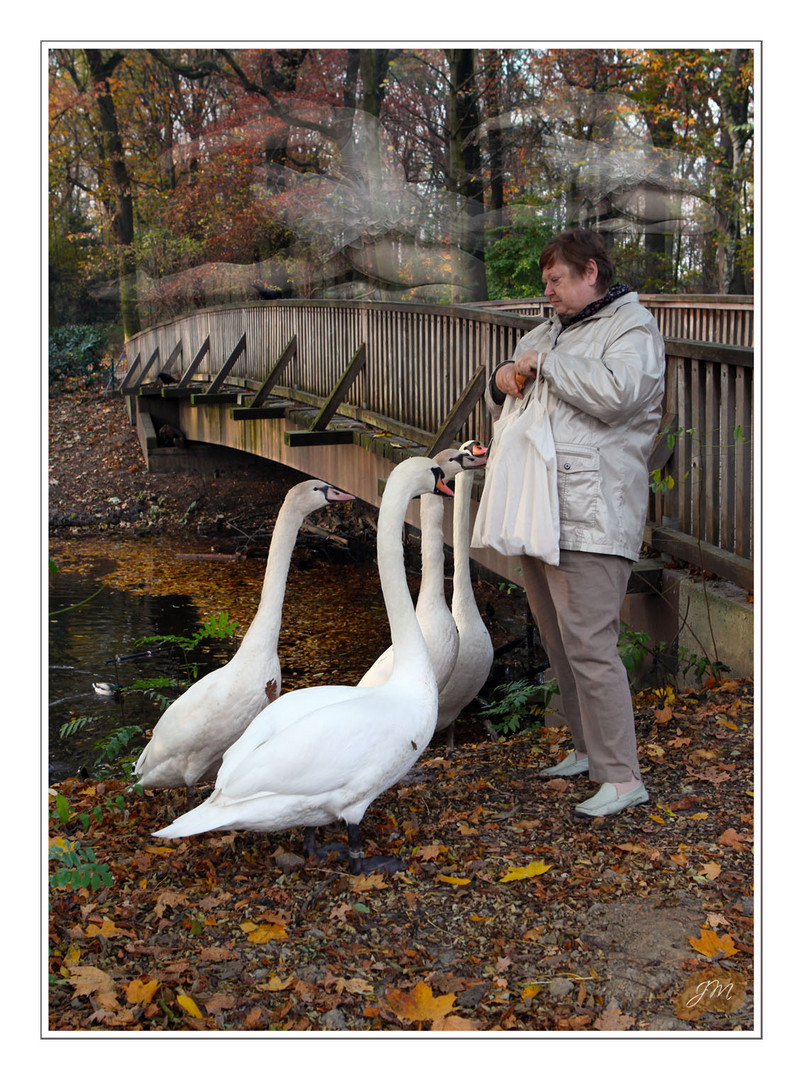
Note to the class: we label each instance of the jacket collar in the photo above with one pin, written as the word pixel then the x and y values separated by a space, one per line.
pixel 595 306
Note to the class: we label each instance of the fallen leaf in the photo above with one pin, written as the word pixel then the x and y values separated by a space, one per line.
pixel 454 880
pixel 274 983
pixel 711 870
pixel 138 991
pixel 558 785
pixel 218 1002
pixel 107 929
pixel 171 898
pixel 730 838
pixel 215 953
pixel 454 1023
pixel 91 981
pixel 419 1004
pixel 710 944
pixel 258 934
pixel 363 883
pixel 533 869
pixel 189 1006
pixel 613 1019
pixel 430 851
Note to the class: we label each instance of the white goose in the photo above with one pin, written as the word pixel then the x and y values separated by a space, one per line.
pixel 325 753
pixel 433 614
pixel 191 736
pixel 475 652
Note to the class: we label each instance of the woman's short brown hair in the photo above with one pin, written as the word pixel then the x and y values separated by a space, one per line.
pixel 575 247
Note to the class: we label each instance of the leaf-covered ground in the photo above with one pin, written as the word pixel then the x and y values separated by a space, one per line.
pixel 511 914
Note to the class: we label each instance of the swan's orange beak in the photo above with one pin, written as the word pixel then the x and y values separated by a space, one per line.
pixel 333 494
pixel 441 487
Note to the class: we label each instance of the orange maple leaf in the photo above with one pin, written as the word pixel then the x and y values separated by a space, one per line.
pixel 419 1004
pixel 710 944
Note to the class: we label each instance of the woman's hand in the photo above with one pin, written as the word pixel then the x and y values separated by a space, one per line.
pixel 511 378
pixel 526 364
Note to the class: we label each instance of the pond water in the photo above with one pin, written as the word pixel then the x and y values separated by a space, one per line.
pixel 106 595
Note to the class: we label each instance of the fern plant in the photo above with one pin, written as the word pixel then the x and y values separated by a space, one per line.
pixel 518 705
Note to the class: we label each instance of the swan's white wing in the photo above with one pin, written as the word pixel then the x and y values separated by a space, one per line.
pixel 191 735
pixel 359 740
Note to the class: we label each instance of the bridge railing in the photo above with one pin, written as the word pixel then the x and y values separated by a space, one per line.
pixel 726 320
pixel 421 357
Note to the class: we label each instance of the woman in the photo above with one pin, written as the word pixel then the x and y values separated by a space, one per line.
pixel 602 357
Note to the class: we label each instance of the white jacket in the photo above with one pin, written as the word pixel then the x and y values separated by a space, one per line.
pixel 606 386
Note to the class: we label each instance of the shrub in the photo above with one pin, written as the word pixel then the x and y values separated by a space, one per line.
pixel 75 351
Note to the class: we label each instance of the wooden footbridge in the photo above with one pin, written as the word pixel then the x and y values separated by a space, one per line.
pixel 344 390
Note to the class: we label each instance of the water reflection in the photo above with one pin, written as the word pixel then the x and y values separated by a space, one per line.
pixel 84 638
pixel 334 626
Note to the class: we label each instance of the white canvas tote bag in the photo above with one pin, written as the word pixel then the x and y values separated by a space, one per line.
pixel 518 511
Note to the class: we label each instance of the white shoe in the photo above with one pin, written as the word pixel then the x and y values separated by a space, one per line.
pixel 606 801
pixel 570 766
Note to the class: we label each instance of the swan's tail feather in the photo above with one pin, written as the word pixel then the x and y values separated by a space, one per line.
pixel 200 819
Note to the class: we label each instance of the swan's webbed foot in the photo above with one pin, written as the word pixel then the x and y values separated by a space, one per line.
pixel 313 850
pixel 358 864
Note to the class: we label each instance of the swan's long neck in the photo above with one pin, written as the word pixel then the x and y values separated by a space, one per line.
pixel 409 648
pixel 263 633
pixel 432 560
pixel 463 593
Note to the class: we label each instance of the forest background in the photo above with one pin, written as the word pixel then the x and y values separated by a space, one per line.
pixel 179 178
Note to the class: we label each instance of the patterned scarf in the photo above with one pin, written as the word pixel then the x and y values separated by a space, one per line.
pixel 590 309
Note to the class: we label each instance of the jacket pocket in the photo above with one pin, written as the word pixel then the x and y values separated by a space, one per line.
pixel 578 483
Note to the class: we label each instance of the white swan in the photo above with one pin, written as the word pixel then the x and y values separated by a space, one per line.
pixel 433 614
pixel 191 736
pixel 325 753
pixel 475 652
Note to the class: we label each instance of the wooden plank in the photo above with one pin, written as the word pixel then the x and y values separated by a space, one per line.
pixel 154 389
pixel 265 412
pixel 704 350
pixel 220 378
pixel 134 387
pixel 338 394
pixel 727 498
pixel 710 455
pixel 330 437
pixel 184 381
pixel 226 397
pixel 181 391
pixel 743 464
pixel 130 373
pixel 275 373
pixel 175 352
pixel 460 412
pixel 707 556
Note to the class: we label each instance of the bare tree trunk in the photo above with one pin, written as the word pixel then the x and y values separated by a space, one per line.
pixel 121 199
pixel 735 101
pixel 465 170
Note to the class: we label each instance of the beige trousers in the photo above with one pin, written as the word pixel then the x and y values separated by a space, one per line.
pixel 576 607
